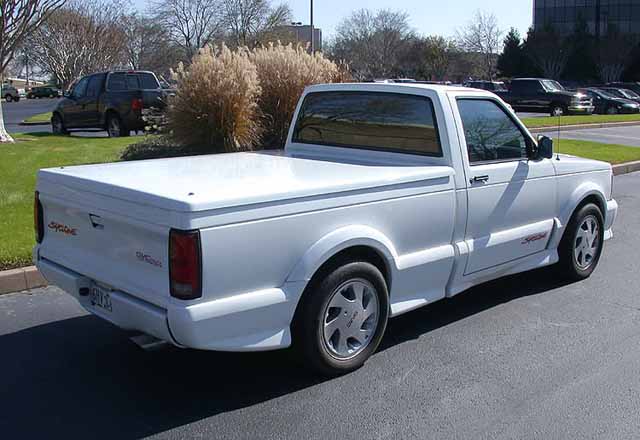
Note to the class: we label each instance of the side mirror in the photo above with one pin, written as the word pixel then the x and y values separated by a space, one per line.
pixel 545 147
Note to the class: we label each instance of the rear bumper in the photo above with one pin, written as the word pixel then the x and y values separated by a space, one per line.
pixel 253 321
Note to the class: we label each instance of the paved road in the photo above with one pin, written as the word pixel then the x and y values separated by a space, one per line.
pixel 16 112
pixel 629 135
pixel 522 358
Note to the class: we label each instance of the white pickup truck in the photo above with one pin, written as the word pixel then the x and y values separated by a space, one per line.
pixel 386 198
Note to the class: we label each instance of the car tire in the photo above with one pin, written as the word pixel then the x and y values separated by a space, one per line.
pixel 612 110
pixel 557 110
pixel 57 125
pixel 342 318
pixel 115 126
pixel 582 243
pixel 8 98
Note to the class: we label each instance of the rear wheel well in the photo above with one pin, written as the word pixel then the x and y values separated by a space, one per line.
pixel 354 253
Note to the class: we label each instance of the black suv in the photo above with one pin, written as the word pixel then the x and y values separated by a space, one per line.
pixel 43 92
pixel 545 96
pixel 111 101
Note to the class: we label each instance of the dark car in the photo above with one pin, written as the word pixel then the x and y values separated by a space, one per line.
pixel 43 92
pixel 634 86
pixel 622 93
pixel 111 101
pixel 545 96
pixel 492 86
pixel 609 104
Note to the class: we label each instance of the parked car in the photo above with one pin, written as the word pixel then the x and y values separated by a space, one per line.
pixel 43 92
pixel 545 96
pixel 9 93
pixel 634 86
pixel 607 103
pixel 387 197
pixel 622 93
pixel 111 101
pixel 492 86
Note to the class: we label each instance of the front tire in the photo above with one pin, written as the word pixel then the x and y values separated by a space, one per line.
pixel 581 244
pixel 8 98
pixel 557 110
pixel 342 318
pixel 612 110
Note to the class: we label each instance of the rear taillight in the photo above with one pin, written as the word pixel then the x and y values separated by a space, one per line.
pixel 136 104
pixel 38 218
pixel 185 264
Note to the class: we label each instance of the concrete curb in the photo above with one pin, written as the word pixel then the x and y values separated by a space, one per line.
pixel 28 124
pixel 583 126
pixel 24 278
pixel 27 278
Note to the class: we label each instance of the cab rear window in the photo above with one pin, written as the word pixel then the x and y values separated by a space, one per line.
pixel 369 120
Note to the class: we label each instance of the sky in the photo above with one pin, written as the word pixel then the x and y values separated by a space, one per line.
pixel 428 17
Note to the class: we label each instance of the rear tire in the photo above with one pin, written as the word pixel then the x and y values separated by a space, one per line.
pixel 342 318
pixel 115 126
pixel 582 243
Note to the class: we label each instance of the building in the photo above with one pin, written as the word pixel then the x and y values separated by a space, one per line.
pixel 598 15
pixel 302 34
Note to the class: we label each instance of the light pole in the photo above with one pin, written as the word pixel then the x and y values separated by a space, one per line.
pixel 313 44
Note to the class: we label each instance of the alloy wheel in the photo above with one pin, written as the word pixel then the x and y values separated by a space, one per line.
pixel 587 242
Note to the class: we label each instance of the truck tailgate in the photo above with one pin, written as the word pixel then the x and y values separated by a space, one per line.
pixel 81 233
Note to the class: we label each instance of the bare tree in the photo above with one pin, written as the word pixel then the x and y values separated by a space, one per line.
pixel 482 35
pixel 372 42
pixel 613 54
pixel 548 51
pixel 83 37
pixel 247 21
pixel 192 24
pixel 148 46
pixel 428 58
pixel 18 18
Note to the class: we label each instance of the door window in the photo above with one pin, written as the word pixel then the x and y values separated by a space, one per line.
pixel 490 134
pixel 117 82
pixel 93 88
pixel 148 81
pixel 132 82
pixel 80 89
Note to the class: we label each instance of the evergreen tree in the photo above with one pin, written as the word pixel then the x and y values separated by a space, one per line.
pixel 510 61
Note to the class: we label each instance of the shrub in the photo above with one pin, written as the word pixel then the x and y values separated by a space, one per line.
pixel 284 72
pixel 158 147
pixel 215 108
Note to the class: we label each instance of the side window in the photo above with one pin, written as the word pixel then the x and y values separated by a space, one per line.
pixel 148 81
pixel 116 82
pixel 491 135
pixel 132 82
pixel 370 120
pixel 80 89
pixel 93 88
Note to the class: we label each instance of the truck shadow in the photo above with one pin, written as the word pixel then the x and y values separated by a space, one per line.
pixel 80 378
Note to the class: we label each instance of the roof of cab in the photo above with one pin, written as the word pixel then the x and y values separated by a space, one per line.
pixel 382 86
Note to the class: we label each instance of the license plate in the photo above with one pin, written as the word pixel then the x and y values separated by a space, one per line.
pixel 101 298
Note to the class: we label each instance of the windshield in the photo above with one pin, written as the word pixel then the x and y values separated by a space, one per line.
pixel 629 94
pixel 604 94
pixel 552 86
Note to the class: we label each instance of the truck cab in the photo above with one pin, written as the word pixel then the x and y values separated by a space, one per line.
pixel 111 101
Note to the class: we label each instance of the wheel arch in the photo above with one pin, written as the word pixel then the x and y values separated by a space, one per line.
pixel 588 193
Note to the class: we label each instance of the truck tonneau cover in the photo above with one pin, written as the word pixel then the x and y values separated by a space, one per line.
pixel 200 183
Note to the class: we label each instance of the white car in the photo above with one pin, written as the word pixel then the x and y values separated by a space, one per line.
pixel 387 197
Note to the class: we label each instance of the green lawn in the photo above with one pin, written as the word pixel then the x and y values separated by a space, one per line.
pixel 611 153
pixel 572 120
pixel 42 117
pixel 19 163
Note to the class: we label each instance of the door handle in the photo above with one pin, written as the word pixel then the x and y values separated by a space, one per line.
pixel 479 179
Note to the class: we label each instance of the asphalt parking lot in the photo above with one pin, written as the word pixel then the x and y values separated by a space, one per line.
pixel 16 112
pixel 527 357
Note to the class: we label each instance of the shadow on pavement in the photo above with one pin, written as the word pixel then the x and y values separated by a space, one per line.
pixel 81 378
